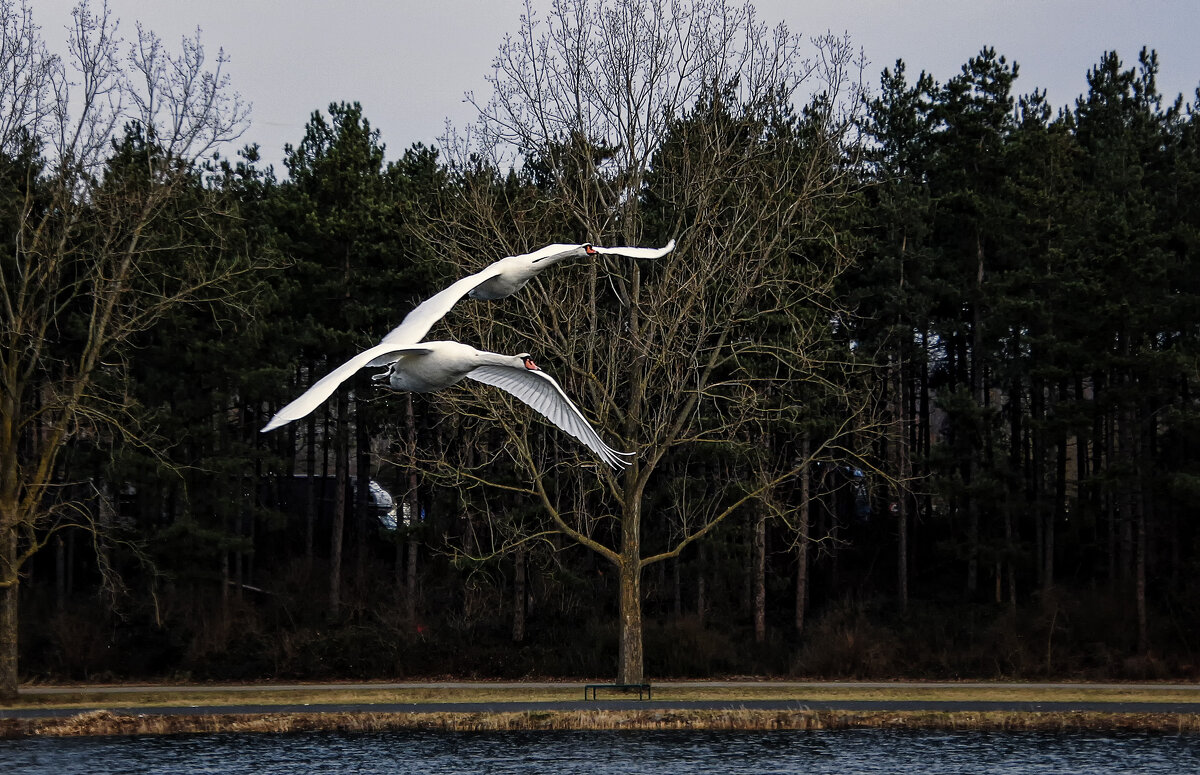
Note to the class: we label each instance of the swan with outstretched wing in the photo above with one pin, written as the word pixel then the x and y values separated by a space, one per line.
pixel 431 366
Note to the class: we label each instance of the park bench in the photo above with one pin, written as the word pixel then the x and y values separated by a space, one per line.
pixel 625 688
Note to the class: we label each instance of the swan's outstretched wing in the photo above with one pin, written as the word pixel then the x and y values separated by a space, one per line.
pixel 541 392
pixel 316 395
pixel 636 252
pixel 416 324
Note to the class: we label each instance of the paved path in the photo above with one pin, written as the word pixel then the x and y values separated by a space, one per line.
pixel 799 703
pixel 795 685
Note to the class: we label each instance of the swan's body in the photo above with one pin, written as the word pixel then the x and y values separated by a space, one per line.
pixel 499 279
pixel 431 366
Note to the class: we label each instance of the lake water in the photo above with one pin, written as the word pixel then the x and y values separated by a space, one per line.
pixel 862 752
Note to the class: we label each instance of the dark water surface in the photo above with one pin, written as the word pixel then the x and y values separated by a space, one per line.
pixel 606 753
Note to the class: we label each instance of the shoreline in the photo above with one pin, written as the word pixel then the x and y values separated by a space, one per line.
pixel 106 722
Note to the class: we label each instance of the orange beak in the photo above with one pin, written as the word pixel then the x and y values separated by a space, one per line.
pixel 529 364
pixel 591 251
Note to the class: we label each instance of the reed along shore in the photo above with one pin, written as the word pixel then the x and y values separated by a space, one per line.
pixel 103 722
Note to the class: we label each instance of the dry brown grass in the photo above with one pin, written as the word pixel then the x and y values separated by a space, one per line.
pixel 103 722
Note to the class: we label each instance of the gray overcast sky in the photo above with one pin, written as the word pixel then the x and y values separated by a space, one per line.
pixel 409 62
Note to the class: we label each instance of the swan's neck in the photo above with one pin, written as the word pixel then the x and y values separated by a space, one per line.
pixel 484 358
pixel 552 254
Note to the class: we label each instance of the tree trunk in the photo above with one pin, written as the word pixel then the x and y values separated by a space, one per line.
pixel 8 617
pixel 802 543
pixel 341 451
pixel 1016 463
pixel 310 499
pixel 518 631
pixel 60 574
pixel 225 588
pixel 364 500
pixel 760 579
pixel 677 583
pixel 972 581
pixel 900 438
pixel 241 560
pixel 629 571
pixel 414 516
pixel 979 393
pixel 1035 486
pixel 1143 627
pixel 1142 508
pixel 410 591
pixel 630 670
pixel 1127 459
pixel 398 566
pixel 925 421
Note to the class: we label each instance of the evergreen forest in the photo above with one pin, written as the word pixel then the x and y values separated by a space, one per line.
pixel 912 398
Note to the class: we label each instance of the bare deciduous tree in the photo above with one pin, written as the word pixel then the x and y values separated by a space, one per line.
pixel 89 265
pixel 633 122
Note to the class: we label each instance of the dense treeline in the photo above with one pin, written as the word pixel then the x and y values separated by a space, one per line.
pixel 1031 283
pixel 948 430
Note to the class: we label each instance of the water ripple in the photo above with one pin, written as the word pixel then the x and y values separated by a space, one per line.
pixel 861 752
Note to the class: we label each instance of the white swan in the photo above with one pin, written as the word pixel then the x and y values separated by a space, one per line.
pixel 499 279
pixel 431 366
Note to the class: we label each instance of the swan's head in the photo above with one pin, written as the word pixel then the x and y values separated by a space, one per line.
pixel 527 362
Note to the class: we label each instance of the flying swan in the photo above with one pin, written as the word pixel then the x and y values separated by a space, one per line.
pixel 430 366
pixel 503 278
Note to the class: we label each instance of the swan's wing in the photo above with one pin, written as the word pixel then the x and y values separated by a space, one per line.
pixel 636 252
pixel 540 391
pixel 416 324
pixel 324 387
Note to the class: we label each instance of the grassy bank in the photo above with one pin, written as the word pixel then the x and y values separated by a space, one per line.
pixel 150 696
pixel 94 719
pixel 103 722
